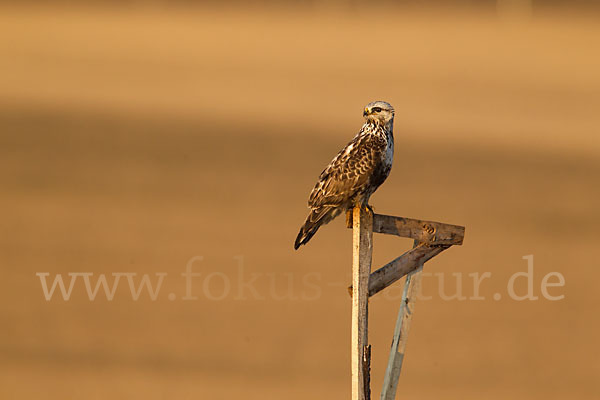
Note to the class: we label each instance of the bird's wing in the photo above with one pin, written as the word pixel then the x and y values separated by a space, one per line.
pixel 348 172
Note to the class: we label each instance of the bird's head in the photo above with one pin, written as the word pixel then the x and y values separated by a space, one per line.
pixel 379 111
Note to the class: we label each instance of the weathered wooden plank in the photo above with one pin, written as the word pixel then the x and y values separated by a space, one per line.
pixel 429 232
pixel 397 268
pixel 362 247
pixel 401 266
pixel 398 349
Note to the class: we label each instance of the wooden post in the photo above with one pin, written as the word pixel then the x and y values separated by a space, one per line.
pixel 409 297
pixel 362 250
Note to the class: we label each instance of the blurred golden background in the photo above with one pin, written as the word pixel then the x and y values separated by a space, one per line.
pixel 136 136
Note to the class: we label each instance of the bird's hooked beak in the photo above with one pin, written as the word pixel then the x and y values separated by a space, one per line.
pixel 366 112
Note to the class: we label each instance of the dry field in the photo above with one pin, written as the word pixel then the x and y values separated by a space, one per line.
pixel 132 140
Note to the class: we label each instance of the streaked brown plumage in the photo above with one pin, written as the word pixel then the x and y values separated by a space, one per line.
pixel 355 173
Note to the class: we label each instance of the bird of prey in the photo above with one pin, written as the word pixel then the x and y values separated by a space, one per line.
pixel 355 173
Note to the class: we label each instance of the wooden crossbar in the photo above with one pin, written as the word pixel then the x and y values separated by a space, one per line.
pixel 428 232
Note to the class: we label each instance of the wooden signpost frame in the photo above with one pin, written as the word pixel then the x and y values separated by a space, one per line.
pixel 430 239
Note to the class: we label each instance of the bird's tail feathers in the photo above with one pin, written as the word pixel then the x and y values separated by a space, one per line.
pixel 317 217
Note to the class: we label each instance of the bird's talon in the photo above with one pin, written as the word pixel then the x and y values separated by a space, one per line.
pixel 367 208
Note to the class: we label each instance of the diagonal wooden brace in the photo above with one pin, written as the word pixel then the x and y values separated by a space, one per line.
pixel 401 266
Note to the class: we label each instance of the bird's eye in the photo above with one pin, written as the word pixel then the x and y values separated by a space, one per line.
pixel 377 109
